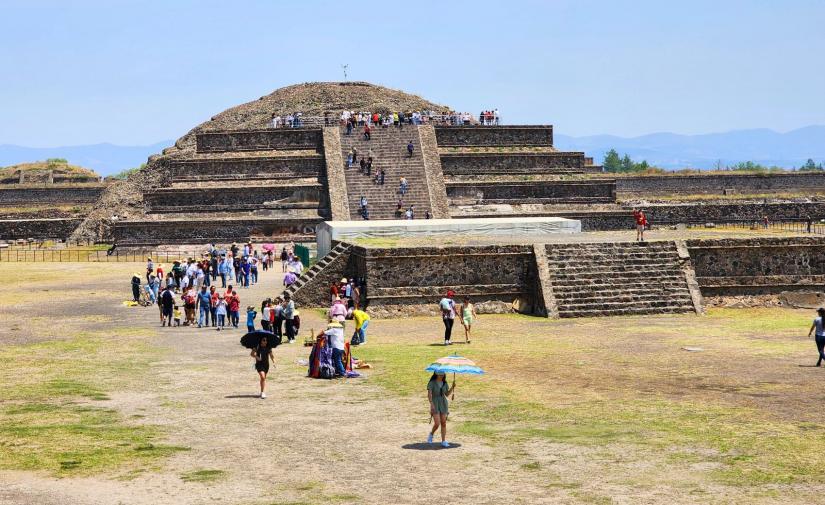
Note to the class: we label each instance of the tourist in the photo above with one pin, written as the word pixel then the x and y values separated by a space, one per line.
pixel 468 315
pixel 266 309
pixel 213 305
pixel 408 215
pixel 338 311
pixel 276 317
pixel 410 148
pixel 290 278
pixel 641 222
pixel 819 337
pixel 362 320
pixel 402 186
pixel 205 307
pixel 284 258
pixel 335 337
pixel 333 292
pixel 150 268
pixel 289 316
pixel 437 393
pixel 167 303
pixel 136 282
pixel 235 308
pixel 263 355
pixel 447 306
pixel 381 175
pixel 427 215
pixel 251 314
pixel 190 299
pixel 367 132
pixel 176 312
pixel 220 310
pixel 246 269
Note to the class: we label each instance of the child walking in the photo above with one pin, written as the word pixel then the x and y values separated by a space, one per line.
pixel 250 318
pixel 468 315
pixel 220 310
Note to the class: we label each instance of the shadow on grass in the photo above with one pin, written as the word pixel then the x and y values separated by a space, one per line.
pixel 243 396
pixel 424 446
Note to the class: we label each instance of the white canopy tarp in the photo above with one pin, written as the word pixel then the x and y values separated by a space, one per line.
pixel 533 227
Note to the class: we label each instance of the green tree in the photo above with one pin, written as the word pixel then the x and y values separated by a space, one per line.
pixel 612 162
pixel 627 164
pixel 810 165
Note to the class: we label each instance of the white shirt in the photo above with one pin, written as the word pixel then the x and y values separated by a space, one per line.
pixel 336 338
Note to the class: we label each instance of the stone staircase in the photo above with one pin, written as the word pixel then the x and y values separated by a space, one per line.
pixel 312 287
pixel 389 151
pixel 605 279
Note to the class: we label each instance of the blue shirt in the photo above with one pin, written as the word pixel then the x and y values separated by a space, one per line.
pixel 250 316
pixel 820 331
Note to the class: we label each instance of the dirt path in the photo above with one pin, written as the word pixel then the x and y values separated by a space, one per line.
pixel 309 441
pixel 337 442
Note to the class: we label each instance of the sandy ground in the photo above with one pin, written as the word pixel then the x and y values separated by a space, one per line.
pixel 314 441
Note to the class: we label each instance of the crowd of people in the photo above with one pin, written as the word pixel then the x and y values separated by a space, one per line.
pixel 361 119
pixel 188 294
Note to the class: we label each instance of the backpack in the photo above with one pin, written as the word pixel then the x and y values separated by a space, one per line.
pixel 326 370
pixel 444 304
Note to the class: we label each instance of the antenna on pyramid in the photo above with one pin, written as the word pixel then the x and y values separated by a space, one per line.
pixel 344 67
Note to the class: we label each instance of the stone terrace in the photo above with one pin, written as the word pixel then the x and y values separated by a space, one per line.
pixel 238 185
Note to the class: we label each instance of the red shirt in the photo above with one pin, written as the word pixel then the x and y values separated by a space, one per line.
pixel 235 302
pixel 640 218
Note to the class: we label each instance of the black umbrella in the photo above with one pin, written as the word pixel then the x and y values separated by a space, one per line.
pixel 252 339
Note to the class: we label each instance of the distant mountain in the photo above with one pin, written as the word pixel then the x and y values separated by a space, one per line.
pixel 669 150
pixel 105 159
pixel 666 150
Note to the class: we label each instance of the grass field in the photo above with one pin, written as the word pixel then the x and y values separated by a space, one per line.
pixel 94 397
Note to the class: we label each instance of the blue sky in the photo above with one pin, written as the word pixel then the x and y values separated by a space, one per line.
pixel 136 72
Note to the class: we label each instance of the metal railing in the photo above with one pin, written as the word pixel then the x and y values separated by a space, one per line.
pixel 92 255
pixel 336 120
pixel 791 225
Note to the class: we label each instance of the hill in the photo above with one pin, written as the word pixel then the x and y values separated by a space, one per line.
pixel 38 171
pixel 673 151
pixel 105 159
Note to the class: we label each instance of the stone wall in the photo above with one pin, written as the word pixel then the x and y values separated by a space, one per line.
pixel 511 163
pixel 185 231
pixel 466 136
pixel 259 140
pixel 335 177
pixel 758 266
pixel 238 196
pixel 532 191
pixel 809 182
pixel 411 280
pixel 433 171
pixel 732 212
pixel 273 166
pixel 17 196
pixel 11 229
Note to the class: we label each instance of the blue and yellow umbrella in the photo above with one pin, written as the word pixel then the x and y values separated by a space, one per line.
pixel 454 364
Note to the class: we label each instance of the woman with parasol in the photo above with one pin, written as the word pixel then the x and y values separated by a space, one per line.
pixel 437 393
pixel 263 355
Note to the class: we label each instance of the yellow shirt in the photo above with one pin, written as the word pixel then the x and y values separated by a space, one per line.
pixel 360 316
pixel 177 313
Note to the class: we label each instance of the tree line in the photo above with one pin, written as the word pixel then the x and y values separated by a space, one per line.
pixel 614 163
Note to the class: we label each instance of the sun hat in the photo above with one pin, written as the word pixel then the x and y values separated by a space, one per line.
pixel 334 324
